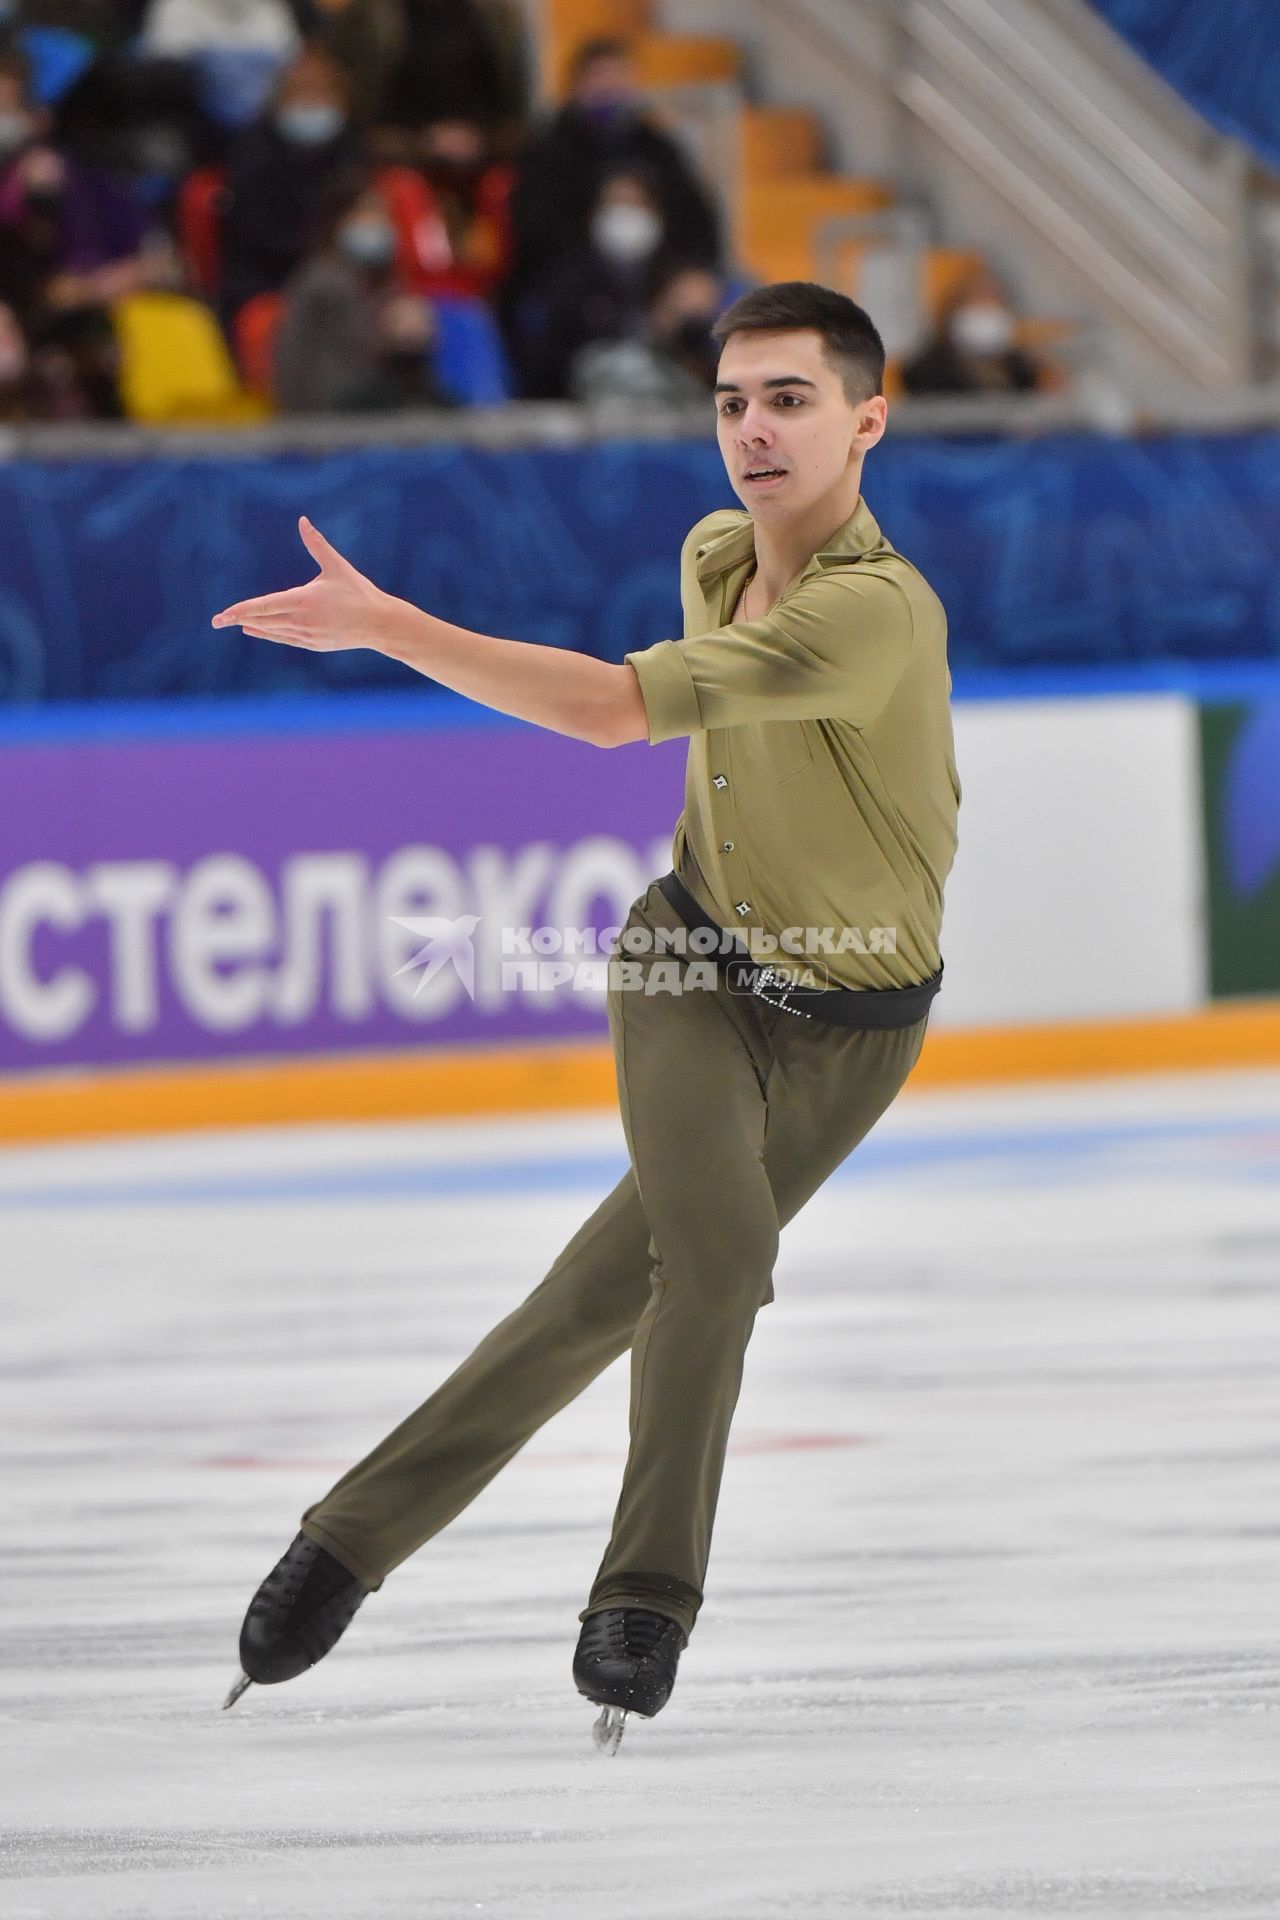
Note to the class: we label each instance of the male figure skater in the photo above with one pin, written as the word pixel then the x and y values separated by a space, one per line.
pixel 820 809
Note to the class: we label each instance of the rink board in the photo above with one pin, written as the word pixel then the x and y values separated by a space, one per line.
pixel 212 923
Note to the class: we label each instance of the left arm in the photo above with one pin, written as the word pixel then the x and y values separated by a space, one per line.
pixel 569 693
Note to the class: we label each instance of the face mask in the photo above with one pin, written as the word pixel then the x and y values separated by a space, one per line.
pixel 370 243
pixel 609 116
pixel 454 175
pixel 46 198
pixel 15 131
pixel 626 233
pixel 982 329
pixel 310 126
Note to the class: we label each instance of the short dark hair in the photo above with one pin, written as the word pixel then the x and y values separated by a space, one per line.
pixel 603 47
pixel 849 337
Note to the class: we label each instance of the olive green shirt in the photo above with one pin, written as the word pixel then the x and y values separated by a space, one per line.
pixel 821 787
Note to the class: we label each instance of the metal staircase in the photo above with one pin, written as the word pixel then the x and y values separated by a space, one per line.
pixel 1030 130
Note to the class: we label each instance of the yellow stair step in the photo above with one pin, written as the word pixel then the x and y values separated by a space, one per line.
pixel 780 140
pixel 686 59
pixel 779 219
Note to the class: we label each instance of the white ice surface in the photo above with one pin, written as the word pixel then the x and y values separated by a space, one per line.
pixel 993 1615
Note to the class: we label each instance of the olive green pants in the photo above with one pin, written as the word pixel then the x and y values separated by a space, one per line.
pixel 735 1112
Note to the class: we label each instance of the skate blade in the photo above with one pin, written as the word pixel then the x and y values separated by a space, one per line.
pixel 607 1731
pixel 239 1687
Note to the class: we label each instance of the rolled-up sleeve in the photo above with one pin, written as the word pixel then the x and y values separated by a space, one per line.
pixel 666 686
pixel 835 648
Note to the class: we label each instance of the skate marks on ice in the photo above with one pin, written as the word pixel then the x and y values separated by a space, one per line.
pixel 991 1625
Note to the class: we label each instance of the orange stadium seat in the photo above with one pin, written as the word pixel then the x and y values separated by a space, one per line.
pixel 255 328
pixel 200 204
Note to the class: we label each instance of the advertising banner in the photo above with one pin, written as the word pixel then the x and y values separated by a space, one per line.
pixel 267 894
pixel 272 888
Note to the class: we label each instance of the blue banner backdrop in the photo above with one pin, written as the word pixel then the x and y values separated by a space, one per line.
pixel 1073 551
pixel 1222 55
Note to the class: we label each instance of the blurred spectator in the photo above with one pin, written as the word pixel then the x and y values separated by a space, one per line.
pixel 453 155
pixel 450 68
pixel 77 360
pixel 71 240
pixel 972 349
pixel 473 195
pixel 139 120
pixel 280 176
pixel 71 380
pixel 104 22
pixel 30 227
pixel 674 364
pixel 447 119
pixel 602 129
pixel 681 317
pixel 600 292
pixel 369 39
pixel 509 28
pixel 237 49
pixel 22 394
pixel 349 339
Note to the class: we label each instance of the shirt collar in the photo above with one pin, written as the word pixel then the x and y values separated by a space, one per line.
pixel 857 536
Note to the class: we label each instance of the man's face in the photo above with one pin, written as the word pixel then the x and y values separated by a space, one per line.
pixel 781 408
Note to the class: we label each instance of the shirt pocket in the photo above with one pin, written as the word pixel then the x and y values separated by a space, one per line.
pixel 785 751
pixel 769 753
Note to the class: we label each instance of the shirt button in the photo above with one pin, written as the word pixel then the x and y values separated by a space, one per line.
pixel 719 781
pixel 743 906
pixel 727 847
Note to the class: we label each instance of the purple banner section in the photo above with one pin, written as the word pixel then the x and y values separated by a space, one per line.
pixel 187 898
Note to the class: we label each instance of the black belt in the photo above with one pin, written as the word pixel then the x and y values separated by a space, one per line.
pixel 879 1007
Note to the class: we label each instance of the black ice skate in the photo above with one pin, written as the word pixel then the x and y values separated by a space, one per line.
pixel 626 1663
pixel 301 1610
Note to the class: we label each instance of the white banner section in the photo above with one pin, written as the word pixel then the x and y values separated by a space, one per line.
pixel 1078 889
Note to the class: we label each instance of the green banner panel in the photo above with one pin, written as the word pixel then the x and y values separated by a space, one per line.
pixel 1240 755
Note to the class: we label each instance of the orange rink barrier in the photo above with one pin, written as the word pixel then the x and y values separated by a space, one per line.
pixel 425 1085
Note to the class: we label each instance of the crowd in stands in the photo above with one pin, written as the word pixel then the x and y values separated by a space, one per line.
pixel 973 347
pixel 224 208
